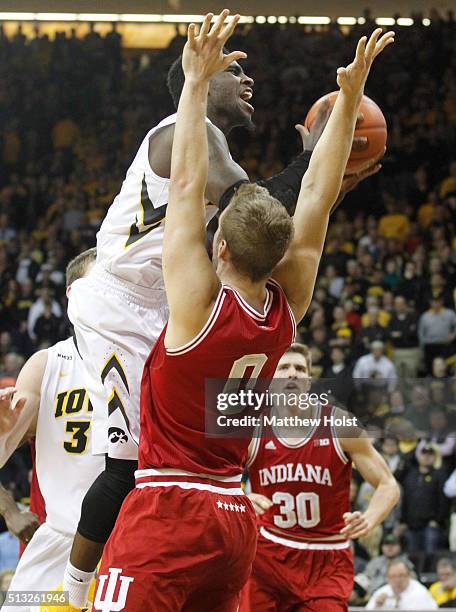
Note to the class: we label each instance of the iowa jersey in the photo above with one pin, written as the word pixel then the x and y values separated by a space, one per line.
pixel 65 467
pixel 308 481
pixel 130 240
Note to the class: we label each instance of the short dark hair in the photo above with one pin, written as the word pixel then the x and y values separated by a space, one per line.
pixel 176 78
pixel 78 266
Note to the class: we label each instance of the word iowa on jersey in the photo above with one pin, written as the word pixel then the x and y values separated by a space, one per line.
pixel 308 481
pixel 65 466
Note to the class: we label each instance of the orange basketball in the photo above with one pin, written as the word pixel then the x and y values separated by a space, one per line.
pixel 373 127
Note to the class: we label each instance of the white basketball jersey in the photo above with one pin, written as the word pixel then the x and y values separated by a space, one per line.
pixel 130 240
pixel 65 466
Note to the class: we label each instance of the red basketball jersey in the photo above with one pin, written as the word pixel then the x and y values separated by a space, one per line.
pixel 308 480
pixel 237 341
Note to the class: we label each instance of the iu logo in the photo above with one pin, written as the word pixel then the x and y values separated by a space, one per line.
pixel 107 604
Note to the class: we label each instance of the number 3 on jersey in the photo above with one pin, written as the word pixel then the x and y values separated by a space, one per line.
pixel 302 510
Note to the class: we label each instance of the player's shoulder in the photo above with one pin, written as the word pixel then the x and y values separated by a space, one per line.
pixel 65 350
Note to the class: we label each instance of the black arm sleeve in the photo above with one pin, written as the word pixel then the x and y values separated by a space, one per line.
pixel 286 185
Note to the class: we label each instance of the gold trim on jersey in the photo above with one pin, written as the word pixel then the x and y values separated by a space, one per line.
pixel 151 217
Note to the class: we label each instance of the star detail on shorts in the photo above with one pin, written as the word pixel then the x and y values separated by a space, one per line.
pixel 226 506
pixel 242 508
pixel 220 504
pixel 236 507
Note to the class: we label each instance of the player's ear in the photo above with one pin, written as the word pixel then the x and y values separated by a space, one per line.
pixel 68 291
pixel 222 250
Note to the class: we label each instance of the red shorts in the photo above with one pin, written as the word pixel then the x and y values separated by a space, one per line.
pixel 176 549
pixel 285 578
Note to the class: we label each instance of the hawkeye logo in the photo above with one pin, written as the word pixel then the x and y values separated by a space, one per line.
pixel 116 582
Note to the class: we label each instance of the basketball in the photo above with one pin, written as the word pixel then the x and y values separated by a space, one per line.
pixel 372 126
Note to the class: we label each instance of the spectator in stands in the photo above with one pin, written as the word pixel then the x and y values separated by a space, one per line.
pixel 437 331
pixel 402 592
pixel 402 333
pixel 441 435
pixel 372 330
pixel 444 591
pixel 39 307
pixel 339 375
pixel 425 509
pixel 419 409
pixel 46 329
pixel 376 570
pixel 376 366
pixel 394 224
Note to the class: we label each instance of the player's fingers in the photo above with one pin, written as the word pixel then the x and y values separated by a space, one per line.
pixel 7 392
pixel 350 515
pixel 19 405
pixel 191 35
pixel 384 41
pixel 370 47
pixel 229 28
pixel 217 27
pixel 205 26
pixel 369 172
pixel 355 527
pixel 303 131
pixel 352 524
pixel 360 49
pixel 360 143
pixel 360 532
pixel 341 76
pixel 234 56
pixel 359 118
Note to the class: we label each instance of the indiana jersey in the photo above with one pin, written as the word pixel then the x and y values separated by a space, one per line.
pixel 308 481
pixel 65 467
pixel 130 240
pixel 236 339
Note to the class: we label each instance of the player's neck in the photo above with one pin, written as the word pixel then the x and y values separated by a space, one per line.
pixel 254 293
pixel 221 121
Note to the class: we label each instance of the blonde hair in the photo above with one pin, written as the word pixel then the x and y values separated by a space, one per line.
pixel 257 230
pixel 301 349
pixel 78 266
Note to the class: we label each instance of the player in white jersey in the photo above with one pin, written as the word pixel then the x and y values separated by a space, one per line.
pixel 120 309
pixel 51 404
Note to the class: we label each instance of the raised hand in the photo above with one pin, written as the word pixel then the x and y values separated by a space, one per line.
pixel 203 53
pixel 351 79
pixel 9 411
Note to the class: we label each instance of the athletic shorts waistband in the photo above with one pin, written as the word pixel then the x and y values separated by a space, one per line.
pixel 142 296
pixel 304 545
pixel 165 477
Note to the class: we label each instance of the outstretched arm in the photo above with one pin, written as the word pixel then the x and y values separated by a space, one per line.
pixel 322 182
pixel 372 467
pixel 21 524
pixel 19 406
pixel 190 280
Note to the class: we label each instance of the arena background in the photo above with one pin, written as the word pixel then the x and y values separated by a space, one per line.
pixel 75 105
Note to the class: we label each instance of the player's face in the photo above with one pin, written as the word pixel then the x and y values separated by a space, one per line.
pixel 292 374
pixel 230 93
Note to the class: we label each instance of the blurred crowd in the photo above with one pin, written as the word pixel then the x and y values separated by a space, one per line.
pixel 73 113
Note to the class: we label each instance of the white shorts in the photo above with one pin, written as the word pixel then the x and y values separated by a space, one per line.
pixel 116 324
pixel 42 566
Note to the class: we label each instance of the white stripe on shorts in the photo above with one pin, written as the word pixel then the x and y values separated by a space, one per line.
pixel 192 485
pixel 303 545
pixel 173 472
